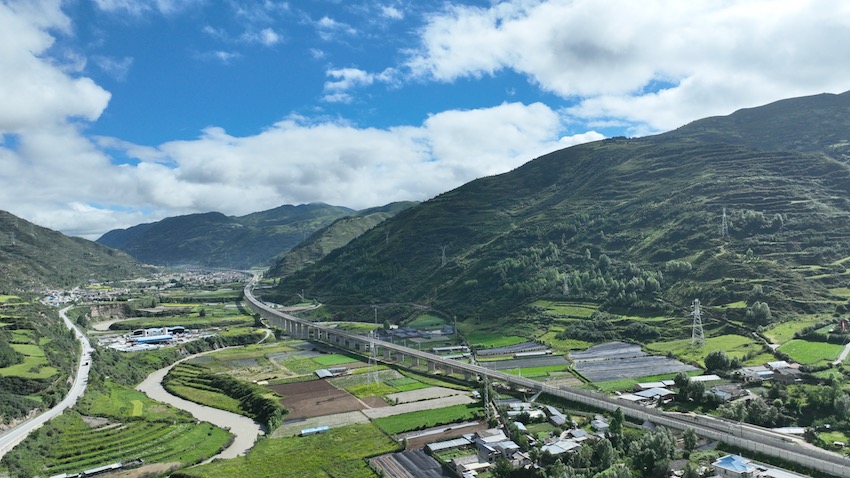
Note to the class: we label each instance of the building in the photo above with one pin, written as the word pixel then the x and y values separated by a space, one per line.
pixel 734 466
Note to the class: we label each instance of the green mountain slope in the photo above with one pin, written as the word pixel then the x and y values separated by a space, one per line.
pixel 630 224
pixel 33 257
pixel 332 237
pixel 213 239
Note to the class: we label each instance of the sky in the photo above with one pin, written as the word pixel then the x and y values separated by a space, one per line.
pixel 120 112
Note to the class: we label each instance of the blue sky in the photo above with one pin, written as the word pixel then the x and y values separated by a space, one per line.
pixel 118 112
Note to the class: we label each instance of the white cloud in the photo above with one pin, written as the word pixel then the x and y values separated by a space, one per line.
pixel 330 29
pixel 346 79
pixel 265 37
pixel 35 92
pixel 712 56
pixel 391 12
pixel 116 68
pixel 140 7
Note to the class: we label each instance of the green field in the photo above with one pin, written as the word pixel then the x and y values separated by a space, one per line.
pixel 429 418
pixel 734 346
pixel 578 310
pixel 334 359
pixel 492 339
pixel 785 331
pixel 535 372
pixel 628 384
pixel 811 353
pixel 130 426
pixel 8 298
pixel 427 321
pixel 341 452
pixel 34 365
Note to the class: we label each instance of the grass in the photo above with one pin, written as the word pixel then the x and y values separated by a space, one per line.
pixel 324 455
pixel 427 321
pixel 628 384
pixel 578 310
pixel 122 402
pixel 536 372
pixel 429 418
pixel 487 339
pixel 334 359
pixel 811 353
pixel 33 366
pixel 733 345
pixel 785 331
pixel 842 292
pixel 8 298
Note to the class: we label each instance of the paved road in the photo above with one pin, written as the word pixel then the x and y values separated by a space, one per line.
pixel 244 429
pixel 10 438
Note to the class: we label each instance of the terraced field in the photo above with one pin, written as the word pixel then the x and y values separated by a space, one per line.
pixel 82 446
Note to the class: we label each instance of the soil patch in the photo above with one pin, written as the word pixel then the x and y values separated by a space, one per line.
pixel 315 398
pixel 154 469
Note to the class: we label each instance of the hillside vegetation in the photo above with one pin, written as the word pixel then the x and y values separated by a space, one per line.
pixel 332 237
pixel 629 224
pixel 34 257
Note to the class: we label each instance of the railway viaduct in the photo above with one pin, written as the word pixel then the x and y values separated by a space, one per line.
pixel 742 435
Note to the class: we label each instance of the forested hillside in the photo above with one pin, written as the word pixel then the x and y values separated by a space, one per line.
pixel 627 223
pixel 34 257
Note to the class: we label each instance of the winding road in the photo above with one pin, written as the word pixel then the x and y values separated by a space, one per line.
pixel 10 438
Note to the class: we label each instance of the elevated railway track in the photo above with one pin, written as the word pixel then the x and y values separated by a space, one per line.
pixel 738 434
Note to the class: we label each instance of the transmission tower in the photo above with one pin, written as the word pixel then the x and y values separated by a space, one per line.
pixel 724 227
pixel 566 286
pixel 443 261
pixel 697 335
pixel 487 398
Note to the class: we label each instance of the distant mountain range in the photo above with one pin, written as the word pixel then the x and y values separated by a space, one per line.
pixel 215 240
pixel 332 237
pixel 33 257
pixel 631 224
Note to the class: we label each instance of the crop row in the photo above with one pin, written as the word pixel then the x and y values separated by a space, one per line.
pixel 97 436
pixel 113 447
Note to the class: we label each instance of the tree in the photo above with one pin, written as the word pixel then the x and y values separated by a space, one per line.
pixel 759 312
pixel 651 454
pixel 616 471
pixel 681 380
pixel 603 454
pixel 717 360
pixel 615 427
pixel 690 472
pixel 689 437
pixel 502 469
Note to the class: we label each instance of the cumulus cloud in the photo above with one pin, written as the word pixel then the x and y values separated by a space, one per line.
pixel 657 64
pixel 86 186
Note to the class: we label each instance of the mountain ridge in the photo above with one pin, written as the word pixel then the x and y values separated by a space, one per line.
pixel 652 206
pixel 33 257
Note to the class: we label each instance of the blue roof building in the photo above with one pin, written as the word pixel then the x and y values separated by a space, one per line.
pixel 734 466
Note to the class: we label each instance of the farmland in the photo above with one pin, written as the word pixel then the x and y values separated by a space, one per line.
pixel 811 353
pixel 316 456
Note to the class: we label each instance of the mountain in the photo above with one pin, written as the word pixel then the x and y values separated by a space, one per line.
pixel 630 224
pixel 213 239
pixel 332 237
pixel 34 257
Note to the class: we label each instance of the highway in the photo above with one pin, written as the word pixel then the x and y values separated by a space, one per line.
pixel 10 438
pixel 742 435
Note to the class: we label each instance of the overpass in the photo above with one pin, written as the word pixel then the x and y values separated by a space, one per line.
pixel 742 435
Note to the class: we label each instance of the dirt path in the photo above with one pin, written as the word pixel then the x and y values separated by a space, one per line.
pixel 843 355
pixel 244 429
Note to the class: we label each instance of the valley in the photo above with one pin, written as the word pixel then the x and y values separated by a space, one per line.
pixel 622 308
